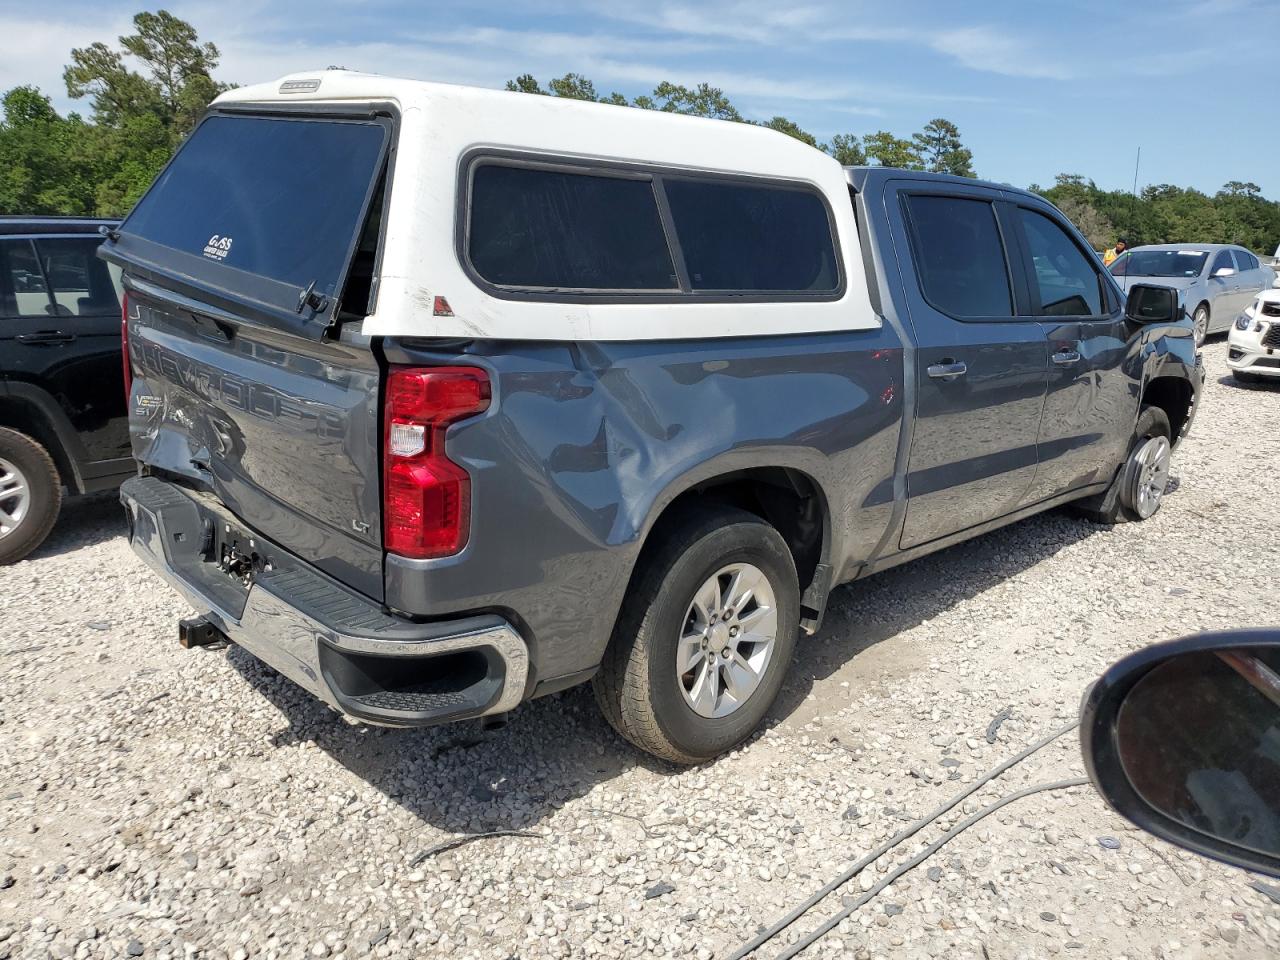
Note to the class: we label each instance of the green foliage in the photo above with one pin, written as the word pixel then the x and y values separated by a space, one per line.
pixel 1165 213
pixel 574 86
pixel 847 150
pixel 939 146
pixel 789 127
pixel 885 149
pixel 525 83
pixel 51 164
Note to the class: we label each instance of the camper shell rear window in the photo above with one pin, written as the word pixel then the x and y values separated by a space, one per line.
pixel 263 206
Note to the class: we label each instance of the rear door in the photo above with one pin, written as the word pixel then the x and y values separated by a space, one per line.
pixel 1253 278
pixel 981 361
pixel 247 266
pixel 60 321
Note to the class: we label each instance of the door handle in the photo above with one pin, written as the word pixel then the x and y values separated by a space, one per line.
pixel 45 336
pixel 947 370
pixel 1064 358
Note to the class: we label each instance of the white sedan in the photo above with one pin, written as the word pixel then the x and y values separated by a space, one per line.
pixel 1253 348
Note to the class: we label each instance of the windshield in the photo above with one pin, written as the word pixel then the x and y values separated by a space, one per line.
pixel 277 197
pixel 1160 263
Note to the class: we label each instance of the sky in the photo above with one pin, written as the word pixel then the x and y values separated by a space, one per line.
pixel 1036 89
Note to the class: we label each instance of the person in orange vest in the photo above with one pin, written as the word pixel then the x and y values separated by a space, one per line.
pixel 1113 252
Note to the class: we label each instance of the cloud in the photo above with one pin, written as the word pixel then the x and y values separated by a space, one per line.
pixel 985 48
pixel 37 50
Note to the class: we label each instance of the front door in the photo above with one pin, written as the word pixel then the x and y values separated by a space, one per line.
pixel 980 362
pixel 1224 290
pixel 1090 407
pixel 60 318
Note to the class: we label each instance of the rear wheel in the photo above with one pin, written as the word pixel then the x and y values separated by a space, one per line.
pixel 1201 321
pixel 1139 486
pixel 704 637
pixel 30 495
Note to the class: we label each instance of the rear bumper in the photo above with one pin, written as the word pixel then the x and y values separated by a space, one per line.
pixel 329 640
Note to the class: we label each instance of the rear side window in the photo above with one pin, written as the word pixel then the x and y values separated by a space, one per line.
pixel 959 256
pixel 1245 260
pixel 22 288
pixel 549 229
pixel 739 237
pixel 82 285
pixel 277 197
pixel 1069 285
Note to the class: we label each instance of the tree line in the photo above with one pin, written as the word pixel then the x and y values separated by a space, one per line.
pixel 936 148
pixel 146 94
pixel 1164 213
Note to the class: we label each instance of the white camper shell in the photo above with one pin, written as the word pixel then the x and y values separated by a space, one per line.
pixel 426 285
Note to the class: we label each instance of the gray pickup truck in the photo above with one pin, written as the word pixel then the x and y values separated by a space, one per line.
pixel 444 399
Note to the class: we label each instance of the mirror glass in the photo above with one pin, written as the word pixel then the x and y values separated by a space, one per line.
pixel 1148 304
pixel 1199 739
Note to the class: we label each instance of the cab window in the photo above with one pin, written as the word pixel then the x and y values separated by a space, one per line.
pixel 1068 285
pixel 959 256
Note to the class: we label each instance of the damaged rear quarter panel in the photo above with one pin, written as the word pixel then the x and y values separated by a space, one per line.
pixel 585 444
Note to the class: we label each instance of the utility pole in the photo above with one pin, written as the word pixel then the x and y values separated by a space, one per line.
pixel 1136 161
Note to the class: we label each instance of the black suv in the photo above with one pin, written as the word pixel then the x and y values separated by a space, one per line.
pixel 63 421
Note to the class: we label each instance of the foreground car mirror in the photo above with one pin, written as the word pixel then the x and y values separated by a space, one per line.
pixel 1151 304
pixel 1183 739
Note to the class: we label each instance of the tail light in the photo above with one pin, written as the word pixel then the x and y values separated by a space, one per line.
pixel 426 504
pixel 124 348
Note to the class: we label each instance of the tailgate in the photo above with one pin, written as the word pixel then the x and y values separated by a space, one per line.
pixel 241 262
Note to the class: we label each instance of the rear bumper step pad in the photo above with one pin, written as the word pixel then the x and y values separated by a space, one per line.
pixel 333 642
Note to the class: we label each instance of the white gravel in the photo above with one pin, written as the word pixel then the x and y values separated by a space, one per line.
pixel 162 803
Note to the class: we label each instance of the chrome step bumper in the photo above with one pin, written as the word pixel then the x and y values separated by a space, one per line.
pixel 331 641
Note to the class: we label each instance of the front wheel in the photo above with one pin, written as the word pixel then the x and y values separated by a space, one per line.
pixel 1243 376
pixel 704 636
pixel 1139 486
pixel 1200 319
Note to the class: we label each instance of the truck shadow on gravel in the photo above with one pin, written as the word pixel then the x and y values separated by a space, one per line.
pixel 865 613
pixel 463 780
pixel 1266 383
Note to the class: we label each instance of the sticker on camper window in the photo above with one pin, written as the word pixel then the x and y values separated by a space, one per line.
pixel 217 248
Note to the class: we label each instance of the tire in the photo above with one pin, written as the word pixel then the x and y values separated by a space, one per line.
pixel 1200 319
pixel 639 687
pixel 30 495
pixel 1124 501
pixel 1243 376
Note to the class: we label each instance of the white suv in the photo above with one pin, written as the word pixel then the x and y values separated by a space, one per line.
pixel 1253 348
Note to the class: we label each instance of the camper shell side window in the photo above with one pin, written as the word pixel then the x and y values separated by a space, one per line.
pixel 573 230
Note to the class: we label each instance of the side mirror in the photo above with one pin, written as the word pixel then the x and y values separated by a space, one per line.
pixel 1151 304
pixel 1183 739
pixel 1224 272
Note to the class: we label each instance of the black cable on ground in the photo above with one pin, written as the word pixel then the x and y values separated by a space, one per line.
pixel 830 924
pixel 904 834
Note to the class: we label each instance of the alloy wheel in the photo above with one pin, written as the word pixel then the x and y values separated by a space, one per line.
pixel 727 640
pixel 15 497
pixel 1150 475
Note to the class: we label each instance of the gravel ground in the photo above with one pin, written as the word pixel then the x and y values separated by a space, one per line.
pixel 163 803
